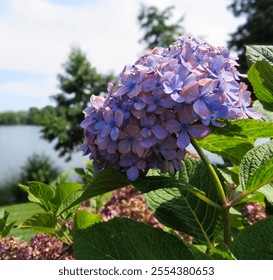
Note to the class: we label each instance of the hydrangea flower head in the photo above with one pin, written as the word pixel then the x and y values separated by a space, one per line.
pixel 166 97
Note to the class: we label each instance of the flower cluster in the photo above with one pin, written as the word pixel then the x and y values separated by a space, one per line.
pixel 166 97
pixel 41 247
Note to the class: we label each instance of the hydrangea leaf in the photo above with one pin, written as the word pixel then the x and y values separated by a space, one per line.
pixel 255 242
pixel 259 52
pixel 66 194
pixel 41 194
pixel 256 168
pixel 126 239
pixel 264 110
pixel 42 222
pixel 177 207
pixel 84 219
pixel 260 76
pixel 105 181
pixel 236 138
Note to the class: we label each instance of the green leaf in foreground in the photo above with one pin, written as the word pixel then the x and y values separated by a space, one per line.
pixel 236 138
pixel 265 110
pixel 255 242
pixel 259 52
pixel 256 169
pixel 84 219
pixel 40 193
pixel 175 206
pixel 105 181
pixel 42 222
pixel 260 75
pixel 125 239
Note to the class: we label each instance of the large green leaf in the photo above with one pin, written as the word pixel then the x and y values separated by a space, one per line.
pixel 42 222
pixel 125 239
pixel 177 207
pixel 236 138
pixel 105 181
pixel 41 194
pixel 260 75
pixel 259 52
pixel 255 242
pixel 256 168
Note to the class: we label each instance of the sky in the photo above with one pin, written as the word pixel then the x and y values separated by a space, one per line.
pixel 37 37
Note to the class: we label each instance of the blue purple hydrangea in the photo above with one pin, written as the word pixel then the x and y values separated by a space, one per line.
pixel 167 96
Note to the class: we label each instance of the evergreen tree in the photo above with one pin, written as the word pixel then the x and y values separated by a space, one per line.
pixel 258 28
pixel 158 31
pixel 78 82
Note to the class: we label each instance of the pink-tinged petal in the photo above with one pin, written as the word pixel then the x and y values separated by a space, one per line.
pixel 183 140
pixel 252 113
pixel 208 85
pixel 103 143
pixel 97 101
pixel 173 126
pixel 112 147
pixel 108 115
pixel 149 120
pixel 106 131
pixel 190 92
pixel 135 91
pixel 201 109
pixel 132 173
pixel 114 133
pixel 124 147
pixel 133 130
pixel 119 118
pixel 121 91
pixel 186 115
pixel 199 131
pixel 159 132
pixel 137 149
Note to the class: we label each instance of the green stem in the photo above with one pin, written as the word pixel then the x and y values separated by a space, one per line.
pixel 205 199
pixel 220 191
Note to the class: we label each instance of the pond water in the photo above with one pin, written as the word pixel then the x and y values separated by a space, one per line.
pixel 18 142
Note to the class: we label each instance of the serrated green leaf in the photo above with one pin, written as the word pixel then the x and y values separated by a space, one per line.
pixel 255 242
pixel 125 239
pixel 40 193
pixel 256 168
pixel 42 222
pixel 221 252
pixel 265 111
pixel 105 181
pixel 260 76
pixel 236 138
pixel 84 219
pixel 256 53
pixel 178 208
pixel 64 190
